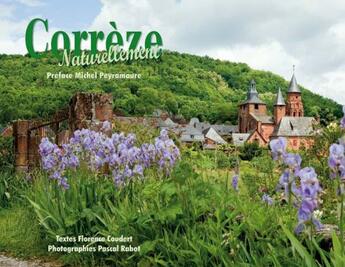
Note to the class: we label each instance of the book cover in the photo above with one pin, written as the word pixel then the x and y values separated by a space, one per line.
pixel 172 133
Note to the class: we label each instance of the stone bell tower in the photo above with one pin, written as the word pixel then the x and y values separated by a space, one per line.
pixel 294 106
pixel 254 105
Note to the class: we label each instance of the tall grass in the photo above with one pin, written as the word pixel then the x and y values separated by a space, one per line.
pixel 20 233
pixel 185 220
pixel 192 218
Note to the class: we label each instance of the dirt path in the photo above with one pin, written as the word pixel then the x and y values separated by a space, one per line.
pixel 13 262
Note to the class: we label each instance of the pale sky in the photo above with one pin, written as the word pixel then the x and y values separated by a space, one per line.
pixel 268 34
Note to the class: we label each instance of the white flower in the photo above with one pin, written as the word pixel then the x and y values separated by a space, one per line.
pixel 317 214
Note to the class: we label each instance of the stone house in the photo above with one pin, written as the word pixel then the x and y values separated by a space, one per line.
pixel 212 139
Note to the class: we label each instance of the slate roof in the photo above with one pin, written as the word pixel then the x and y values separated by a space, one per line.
pixel 194 121
pixel 190 130
pixel 238 139
pixel 191 134
pixel 157 113
pixel 202 125
pixel 221 129
pixel 279 99
pixel 211 133
pixel 168 123
pixel 252 95
pixel 295 126
pixel 293 86
pixel 263 118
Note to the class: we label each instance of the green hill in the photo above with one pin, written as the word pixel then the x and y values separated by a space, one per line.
pixel 183 84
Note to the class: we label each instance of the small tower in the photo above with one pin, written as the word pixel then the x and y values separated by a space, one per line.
pixel 253 104
pixel 279 107
pixel 294 106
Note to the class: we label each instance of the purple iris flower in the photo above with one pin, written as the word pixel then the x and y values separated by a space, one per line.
pixel 278 147
pixel 138 169
pixel 46 147
pixel 106 126
pixel 305 214
pixel 336 160
pixel 63 182
pixel 310 188
pixel 293 161
pixel 267 199
pixel 118 152
pixel 336 155
pixel 234 182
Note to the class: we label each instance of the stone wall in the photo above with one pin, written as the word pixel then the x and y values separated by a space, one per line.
pixel 294 107
pixel 86 110
pixel 245 119
pixel 297 142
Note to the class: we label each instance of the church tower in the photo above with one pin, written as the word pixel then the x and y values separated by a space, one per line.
pixel 279 108
pixel 294 106
pixel 254 105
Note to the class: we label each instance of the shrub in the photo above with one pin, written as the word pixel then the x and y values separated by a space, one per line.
pixel 6 153
pixel 250 150
pixel 225 161
pixel 12 188
pixel 8 182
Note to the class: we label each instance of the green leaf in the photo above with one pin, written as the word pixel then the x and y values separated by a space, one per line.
pixel 325 261
pixel 336 256
pixel 308 259
pixel 147 246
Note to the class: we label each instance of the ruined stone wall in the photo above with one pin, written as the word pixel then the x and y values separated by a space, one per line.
pixel 86 110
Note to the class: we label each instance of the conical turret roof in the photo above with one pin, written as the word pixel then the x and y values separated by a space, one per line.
pixel 293 86
pixel 279 99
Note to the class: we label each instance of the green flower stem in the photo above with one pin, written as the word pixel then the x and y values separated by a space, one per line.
pixel 341 223
pixel 290 193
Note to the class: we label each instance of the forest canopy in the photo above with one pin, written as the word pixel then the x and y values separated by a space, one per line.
pixel 182 84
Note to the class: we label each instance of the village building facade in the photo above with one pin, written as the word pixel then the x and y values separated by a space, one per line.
pixel 287 121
